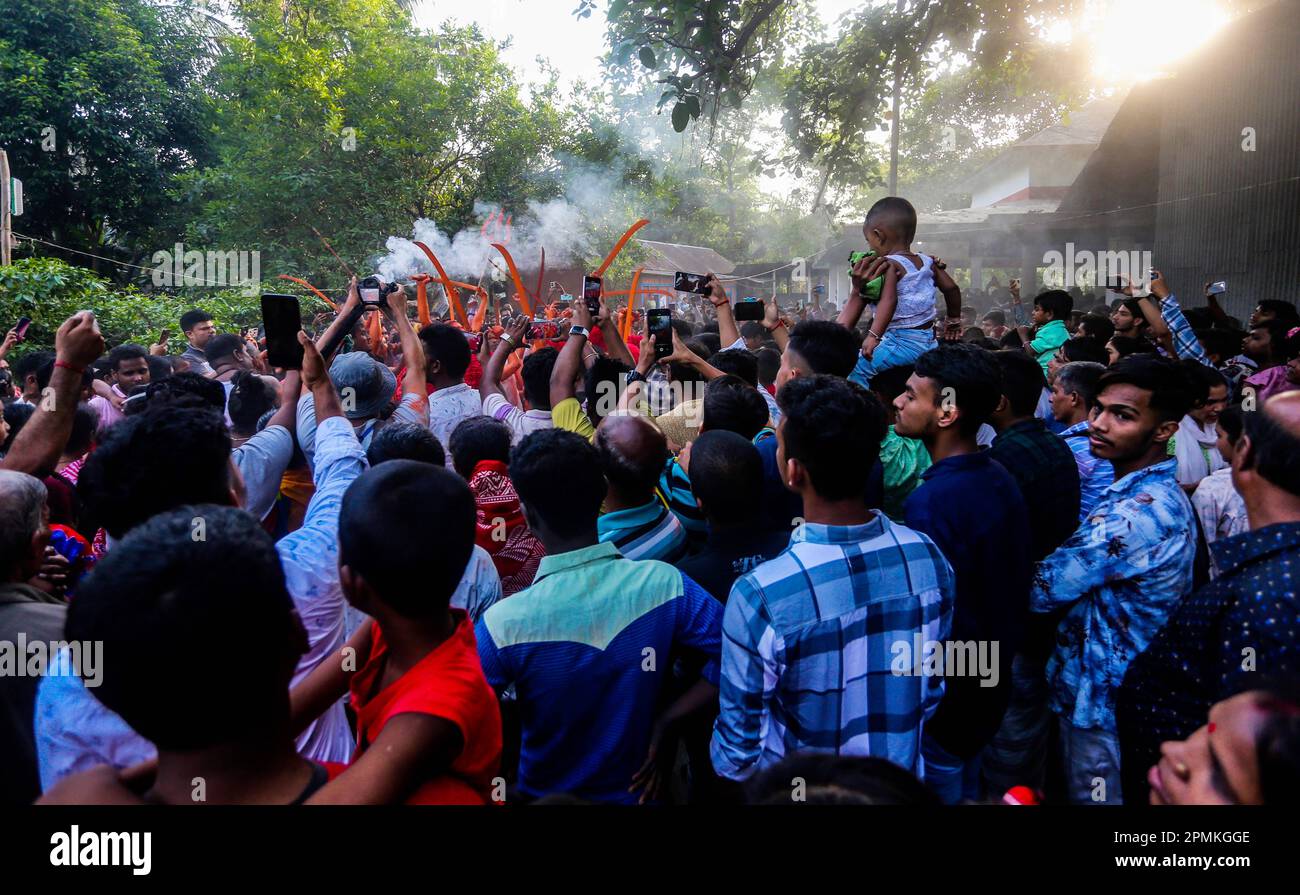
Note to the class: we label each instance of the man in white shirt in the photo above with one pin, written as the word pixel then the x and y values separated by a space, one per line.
pixel 536 374
pixel 447 356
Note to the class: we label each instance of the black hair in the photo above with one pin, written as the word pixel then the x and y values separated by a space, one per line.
pixel 830 779
pixel 972 374
pixel 726 475
pixel 893 212
pixel 1085 349
pixel 699 348
pixel 1135 308
pixel 1056 302
pixel 891 382
pixel 996 317
pixel 739 362
pixel 448 345
pixel 536 373
pixel 1277 745
pixel 603 379
pixel 1097 326
pixel 1232 423
pixel 153 462
pixel 45 373
pixel 834 427
pixel 1224 343
pixel 1129 346
pixel 250 397
pixel 475 439
pixel 187 390
pixel 1284 311
pixel 1022 380
pixel 1171 390
pixel 124 353
pixel 222 346
pixel 710 328
pixel 710 340
pixel 558 477
pixel 16 415
pixel 191 319
pixel 405 441
pixel 682 327
pixel 825 346
pixel 1081 378
pixel 1201 379
pixel 160 367
pixel 632 476
pixel 1277 337
pixel 28 364
pixel 733 404
pixel 1273 451
pixel 1011 339
pixel 85 422
pixel 384 525
pixel 769 364
pixel 753 330
pixel 166 598
pixel 972 334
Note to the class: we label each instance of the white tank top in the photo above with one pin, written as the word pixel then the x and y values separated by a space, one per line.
pixel 916 305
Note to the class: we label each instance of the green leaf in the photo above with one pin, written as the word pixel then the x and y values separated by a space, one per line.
pixel 681 117
pixel 647 57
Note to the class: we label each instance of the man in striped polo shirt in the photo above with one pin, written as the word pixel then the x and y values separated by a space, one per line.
pixel 819 642
pixel 636 520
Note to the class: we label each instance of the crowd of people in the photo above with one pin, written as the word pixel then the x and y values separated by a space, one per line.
pixel 893 556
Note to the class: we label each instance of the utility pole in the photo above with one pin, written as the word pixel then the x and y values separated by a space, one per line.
pixel 5 225
pixel 895 121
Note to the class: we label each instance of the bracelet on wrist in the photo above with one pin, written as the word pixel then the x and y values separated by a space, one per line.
pixel 875 335
pixel 80 371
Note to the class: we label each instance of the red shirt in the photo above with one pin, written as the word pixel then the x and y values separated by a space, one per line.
pixel 448 683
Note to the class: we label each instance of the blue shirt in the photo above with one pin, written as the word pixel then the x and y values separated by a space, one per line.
pixel 811 642
pixel 972 508
pixel 649 531
pixel 1095 473
pixel 1124 571
pixel 75 733
pixel 588 647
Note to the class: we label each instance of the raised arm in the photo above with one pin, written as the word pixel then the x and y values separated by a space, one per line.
pixel 413 383
pixel 511 340
pixel 951 299
pixel 614 345
pixel 345 317
pixel 775 324
pixel 37 448
pixel 570 358
pixel 728 333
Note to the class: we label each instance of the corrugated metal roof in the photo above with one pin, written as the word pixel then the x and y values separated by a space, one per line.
pixel 667 257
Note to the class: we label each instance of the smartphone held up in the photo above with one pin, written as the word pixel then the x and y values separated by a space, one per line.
pixel 697 283
pixel 282 321
pixel 659 323
pixel 591 287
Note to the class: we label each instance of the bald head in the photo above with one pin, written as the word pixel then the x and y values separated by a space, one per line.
pixel 1265 470
pixel 22 525
pixel 632 455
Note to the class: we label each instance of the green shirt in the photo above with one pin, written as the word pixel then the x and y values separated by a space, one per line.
pixel 903 459
pixel 1049 337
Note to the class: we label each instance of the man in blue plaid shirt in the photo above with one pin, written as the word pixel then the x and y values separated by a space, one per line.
pixel 818 643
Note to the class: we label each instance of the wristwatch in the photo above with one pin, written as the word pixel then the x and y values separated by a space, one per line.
pixel 579 331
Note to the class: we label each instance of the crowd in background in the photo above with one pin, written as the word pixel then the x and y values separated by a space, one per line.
pixel 917 549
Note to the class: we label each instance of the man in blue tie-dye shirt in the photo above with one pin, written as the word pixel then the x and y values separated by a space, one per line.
pixel 1122 572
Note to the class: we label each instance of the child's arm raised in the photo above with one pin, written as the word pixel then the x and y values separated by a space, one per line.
pixel 951 297
pixel 884 312
pixel 413 747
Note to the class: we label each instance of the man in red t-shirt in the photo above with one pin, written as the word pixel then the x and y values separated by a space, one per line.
pixel 428 724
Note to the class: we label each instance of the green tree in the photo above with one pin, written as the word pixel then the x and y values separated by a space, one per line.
pixel 103 106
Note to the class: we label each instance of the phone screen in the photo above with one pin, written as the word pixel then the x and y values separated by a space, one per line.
pixel 660 324
pixel 282 320
pixel 691 282
pixel 21 327
pixel 591 293
pixel 749 309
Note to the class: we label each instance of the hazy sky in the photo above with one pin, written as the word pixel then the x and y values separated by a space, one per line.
pixel 547 28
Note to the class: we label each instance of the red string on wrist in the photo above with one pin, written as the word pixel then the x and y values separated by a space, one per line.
pixel 80 371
